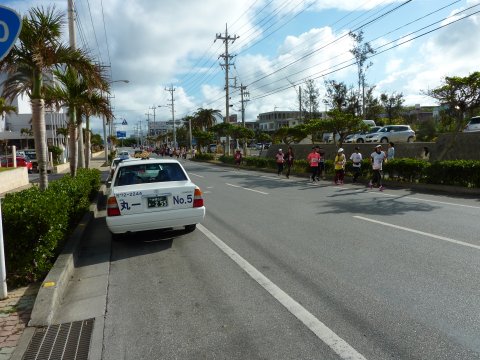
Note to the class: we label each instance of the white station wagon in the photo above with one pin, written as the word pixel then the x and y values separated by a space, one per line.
pixel 151 194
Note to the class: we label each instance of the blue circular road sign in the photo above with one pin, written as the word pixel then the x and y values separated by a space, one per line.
pixel 10 26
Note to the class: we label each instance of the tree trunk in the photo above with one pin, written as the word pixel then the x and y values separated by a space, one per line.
pixel 39 132
pixel 81 150
pixel 72 143
pixel 87 142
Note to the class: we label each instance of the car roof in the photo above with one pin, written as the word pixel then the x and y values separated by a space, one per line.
pixel 127 162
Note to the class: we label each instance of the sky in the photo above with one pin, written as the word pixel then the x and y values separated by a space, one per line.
pixel 278 44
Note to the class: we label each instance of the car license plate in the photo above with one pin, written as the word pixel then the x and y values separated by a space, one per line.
pixel 157 201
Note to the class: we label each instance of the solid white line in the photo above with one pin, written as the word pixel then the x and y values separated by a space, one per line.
pixel 332 340
pixel 240 187
pixel 428 200
pixel 458 242
pixel 200 176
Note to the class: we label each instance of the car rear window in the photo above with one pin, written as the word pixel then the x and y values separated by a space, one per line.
pixel 149 173
pixel 475 121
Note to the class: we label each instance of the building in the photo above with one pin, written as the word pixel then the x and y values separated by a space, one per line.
pixel 274 120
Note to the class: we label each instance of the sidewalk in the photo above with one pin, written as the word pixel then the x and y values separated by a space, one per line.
pixel 15 311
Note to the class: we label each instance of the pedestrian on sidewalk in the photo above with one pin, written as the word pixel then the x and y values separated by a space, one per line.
pixel 391 151
pixel 280 160
pixel 238 158
pixel 356 158
pixel 313 159
pixel 289 156
pixel 340 161
pixel 377 158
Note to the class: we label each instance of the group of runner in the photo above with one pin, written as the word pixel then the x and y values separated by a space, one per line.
pixel 316 160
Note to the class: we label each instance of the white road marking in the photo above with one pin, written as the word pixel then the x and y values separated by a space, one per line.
pixel 325 334
pixel 200 176
pixel 444 202
pixel 458 242
pixel 240 187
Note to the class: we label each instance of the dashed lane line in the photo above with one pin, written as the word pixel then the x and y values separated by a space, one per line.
pixel 325 334
pixel 244 188
pixel 443 238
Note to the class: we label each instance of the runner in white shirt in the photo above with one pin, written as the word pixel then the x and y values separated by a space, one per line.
pixel 356 158
pixel 377 158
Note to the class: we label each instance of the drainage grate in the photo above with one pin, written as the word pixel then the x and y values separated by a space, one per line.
pixel 68 341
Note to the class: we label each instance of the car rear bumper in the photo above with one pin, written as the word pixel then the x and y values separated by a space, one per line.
pixel 155 220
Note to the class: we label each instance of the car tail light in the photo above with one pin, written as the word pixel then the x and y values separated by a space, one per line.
pixel 197 198
pixel 112 207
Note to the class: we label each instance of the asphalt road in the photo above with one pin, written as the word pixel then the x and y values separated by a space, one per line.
pixel 285 269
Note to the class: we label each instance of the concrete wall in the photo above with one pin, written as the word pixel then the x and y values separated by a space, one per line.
pixel 14 178
pixel 466 146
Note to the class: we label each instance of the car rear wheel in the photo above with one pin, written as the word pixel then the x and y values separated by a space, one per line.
pixel 360 141
pixel 384 140
pixel 190 228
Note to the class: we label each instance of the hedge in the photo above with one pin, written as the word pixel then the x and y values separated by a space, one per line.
pixel 37 223
pixel 464 173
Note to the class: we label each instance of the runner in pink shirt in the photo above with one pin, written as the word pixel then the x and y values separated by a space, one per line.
pixel 313 159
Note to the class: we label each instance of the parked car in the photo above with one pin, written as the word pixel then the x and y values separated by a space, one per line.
pixel 394 133
pixel 152 194
pixel 32 155
pixel 22 161
pixel 473 124
pixel 212 148
pixel 262 146
pixel 113 165
pixel 359 137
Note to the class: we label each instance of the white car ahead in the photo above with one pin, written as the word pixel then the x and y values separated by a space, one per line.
pixel 152 194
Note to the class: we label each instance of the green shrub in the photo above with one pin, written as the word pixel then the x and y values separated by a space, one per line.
pixel 204 157
pixel 406 169
pixel 454 172
pixel 36 224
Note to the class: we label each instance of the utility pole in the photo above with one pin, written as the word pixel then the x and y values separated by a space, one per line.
pixel 300 101
pixel 243 95
pixel 226 57
pixel 71 24
pixel 73 45
pixel 172 104
pixel 154 108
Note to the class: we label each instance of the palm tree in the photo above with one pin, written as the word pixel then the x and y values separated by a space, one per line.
pixel 204 119
pixel 94 104
pixel 37 52
pixel 74 91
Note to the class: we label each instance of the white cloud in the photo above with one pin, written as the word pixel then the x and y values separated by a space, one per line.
pixel 393 65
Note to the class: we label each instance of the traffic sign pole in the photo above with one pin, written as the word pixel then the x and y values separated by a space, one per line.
pixel 10 26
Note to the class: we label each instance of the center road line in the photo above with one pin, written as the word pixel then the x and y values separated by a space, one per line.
pixel 458 242
pixel 257 191
pixel 200 176
pixel 325 334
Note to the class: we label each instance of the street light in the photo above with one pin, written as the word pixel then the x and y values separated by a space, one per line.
pixel 105 142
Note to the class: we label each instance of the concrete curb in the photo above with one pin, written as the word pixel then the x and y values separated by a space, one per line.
pixel 55 283
pixel 23 343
